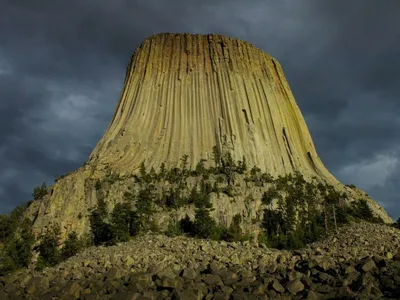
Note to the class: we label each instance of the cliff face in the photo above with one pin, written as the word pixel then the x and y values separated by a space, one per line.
pixel 184 94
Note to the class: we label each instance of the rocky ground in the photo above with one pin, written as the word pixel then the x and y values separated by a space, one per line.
pixel 362 261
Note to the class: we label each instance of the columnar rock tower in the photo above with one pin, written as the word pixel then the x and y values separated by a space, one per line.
pixel 185 93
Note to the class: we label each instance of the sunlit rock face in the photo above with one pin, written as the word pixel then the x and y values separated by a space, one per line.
pixel 185 93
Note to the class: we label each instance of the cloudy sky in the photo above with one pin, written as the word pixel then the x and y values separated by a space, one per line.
pixel 62 66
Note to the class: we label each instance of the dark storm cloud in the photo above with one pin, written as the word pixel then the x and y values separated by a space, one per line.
pixel 62 66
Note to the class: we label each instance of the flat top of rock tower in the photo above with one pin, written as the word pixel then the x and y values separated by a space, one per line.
pixel 208 36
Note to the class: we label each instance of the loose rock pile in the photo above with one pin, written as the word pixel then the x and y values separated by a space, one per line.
pixel 362 261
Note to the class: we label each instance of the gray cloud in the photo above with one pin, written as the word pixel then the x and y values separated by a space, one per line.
pixel 62 66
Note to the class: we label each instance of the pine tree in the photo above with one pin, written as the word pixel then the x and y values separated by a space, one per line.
pixel 216 156
pixel 121 222
pixel 39 191
pixel 204 224
pixel 200 168
pixel 145 207
pixel 322 189
pixel 6 227
pixel 101 230
pixel 16 251
pixel 71 246
pixel 49 254
pixel 333 199
pixel 144 177
pixel 194 196
pixel 152 175
pixel 228 168
pixel 363 211
pixel 184 165
pixel 242 166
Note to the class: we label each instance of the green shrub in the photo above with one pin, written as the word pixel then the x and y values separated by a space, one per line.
pixel 241 166
pixel 174 229
pixel 7 263
pixel 154 227
pixel 234 232
pixel 266 178
pixel 112 178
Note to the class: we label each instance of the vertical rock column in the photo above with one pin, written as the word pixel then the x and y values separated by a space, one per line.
pixel 185 93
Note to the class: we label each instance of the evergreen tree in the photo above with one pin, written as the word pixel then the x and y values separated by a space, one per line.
pixel 6 227
pixel 216 154
pixel 362 210
pixel 322 189
pixel 272 221
pixel 144 177
pixel 290 215
pixel 174 229
pixel 200 168
pixel 49 254
pixel 194 196
pixel 17 250
pixel 39 192
pixel 152 175
pixel 102 208
pixel 333 199
pixel 184 165
pixel 228 168
pixel 71 246
pixel 121 222
pixel 269 196
pixel 101 230
pixel 145 207
pixel 311 205
pixel 204 225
